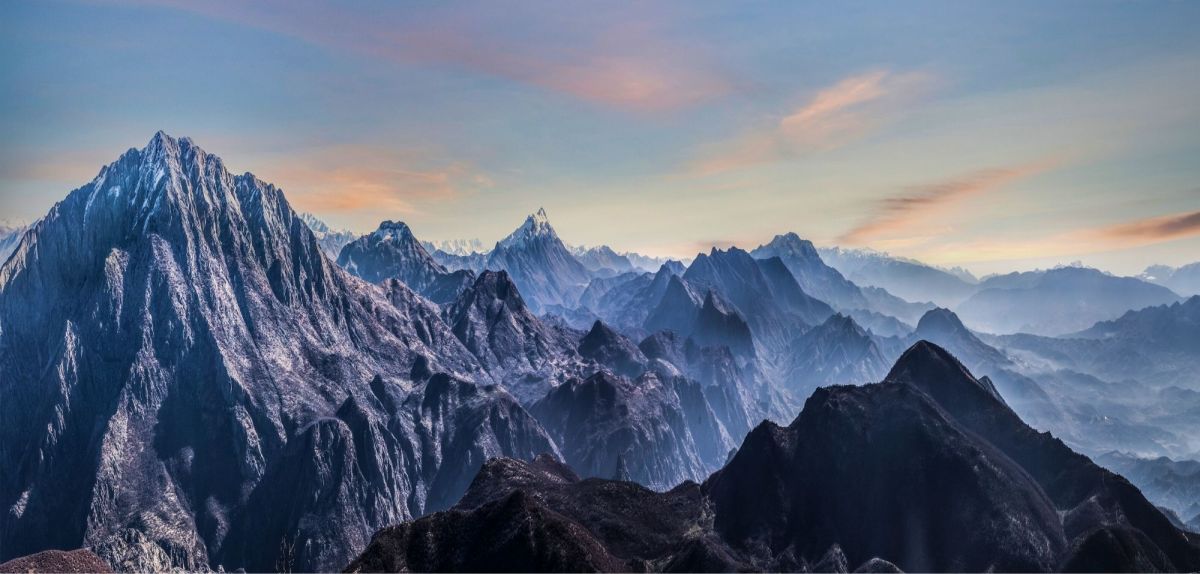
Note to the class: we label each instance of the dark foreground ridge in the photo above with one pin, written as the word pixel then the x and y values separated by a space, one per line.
pixel 927 471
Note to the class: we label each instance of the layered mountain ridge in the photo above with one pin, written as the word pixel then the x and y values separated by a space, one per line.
pixel 981 491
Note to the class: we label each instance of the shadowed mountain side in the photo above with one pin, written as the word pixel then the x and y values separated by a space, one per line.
pixel 927 471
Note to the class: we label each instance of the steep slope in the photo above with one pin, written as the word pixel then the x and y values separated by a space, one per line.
pixel 662 429
pixel 882 471
pixel 717 325
pixel 392 252
pixel 675 308
pixel 607 347
pixel 627 303
pixel 169 334
pixel 733 384
pixel 813 275
pixel 1099 509
pixel 836 352
pixel 1057 301
pixel 762 291
pixel 359 468
pixel 540 264
pixel 10 236
pixel 1024 394
pixel 525 354
pixel 943 327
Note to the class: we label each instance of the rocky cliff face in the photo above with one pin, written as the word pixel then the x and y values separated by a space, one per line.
pixel 173 339
pixel 836 352
pixel 662 430
pixel 528 355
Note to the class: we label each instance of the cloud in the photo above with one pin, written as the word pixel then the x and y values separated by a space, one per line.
pixel 918 204
pixel 613 57
pixel 1153 229
pixel 835 116
pixel 1076 242
pixel 362 178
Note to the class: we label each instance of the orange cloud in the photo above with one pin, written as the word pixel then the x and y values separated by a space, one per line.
pixel 835 116
pixel 917 204
pixel 1127 235
pixel 611 58
pixel 1154 229
pixel 352 178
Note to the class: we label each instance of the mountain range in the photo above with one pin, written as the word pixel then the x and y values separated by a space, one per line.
pixel 1184 280
pixel 926 471
pixel 1057 301
pixel 194 379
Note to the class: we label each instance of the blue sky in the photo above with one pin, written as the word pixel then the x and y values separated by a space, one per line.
pixel 991 135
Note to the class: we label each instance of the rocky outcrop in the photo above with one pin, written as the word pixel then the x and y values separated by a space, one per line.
pixel 526 354
pixel 661 428
pixel 60 561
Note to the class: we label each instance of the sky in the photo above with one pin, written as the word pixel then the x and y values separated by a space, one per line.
pixel 995 136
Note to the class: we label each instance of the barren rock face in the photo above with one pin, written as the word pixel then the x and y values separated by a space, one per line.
pixel 177 351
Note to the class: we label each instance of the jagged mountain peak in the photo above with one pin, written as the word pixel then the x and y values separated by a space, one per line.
pixel 793 244
pixel 608 347
pixel 209 327
pixel 941 375
pixel 843 324
pixel 394 231
pixel 600 334
pixel 536 225
pixel 540 264
pixel 496 286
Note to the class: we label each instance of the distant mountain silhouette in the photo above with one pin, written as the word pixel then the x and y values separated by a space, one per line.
pixel 1057 301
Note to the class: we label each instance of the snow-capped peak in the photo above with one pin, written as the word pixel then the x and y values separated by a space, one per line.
pixel 537 225
pixel 315 224
pixel 393 231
